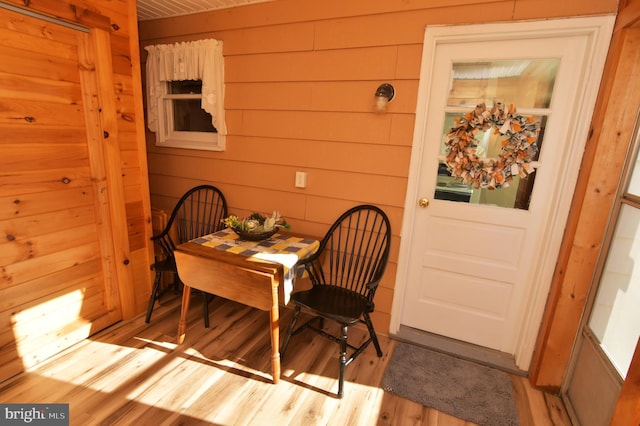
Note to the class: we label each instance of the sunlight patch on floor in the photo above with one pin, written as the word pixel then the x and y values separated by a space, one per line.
pixel 102 356
pixel 164 344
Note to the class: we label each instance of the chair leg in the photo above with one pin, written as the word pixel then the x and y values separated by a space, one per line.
pixel 343 360
pixel 292 324
pixel 176 284
pixel 205 308
pixel 154 295
pixel 372 333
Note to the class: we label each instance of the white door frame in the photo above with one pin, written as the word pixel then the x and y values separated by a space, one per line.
pixel 599 30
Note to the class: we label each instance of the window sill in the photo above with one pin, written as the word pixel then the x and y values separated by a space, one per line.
pixel 198 145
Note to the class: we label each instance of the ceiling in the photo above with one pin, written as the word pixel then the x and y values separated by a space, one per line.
pixel 154 9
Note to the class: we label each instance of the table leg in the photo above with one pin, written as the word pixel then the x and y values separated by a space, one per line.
pixel 274 315
pixel 182 324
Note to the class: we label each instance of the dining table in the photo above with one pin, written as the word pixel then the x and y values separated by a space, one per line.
pixel 259 274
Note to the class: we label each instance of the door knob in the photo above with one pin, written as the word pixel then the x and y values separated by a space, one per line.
pixel 423 202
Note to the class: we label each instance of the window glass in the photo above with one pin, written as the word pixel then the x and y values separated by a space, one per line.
pixel 527 84
pixel 489 142
pixel 183 122
pixel 188 115
pixel 184 87
pixel 615 319
pixel 634 182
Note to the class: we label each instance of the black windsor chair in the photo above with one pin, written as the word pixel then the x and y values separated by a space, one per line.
pixel 345 273
pixel 199 212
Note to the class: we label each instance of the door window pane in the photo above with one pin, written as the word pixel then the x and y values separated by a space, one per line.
pixel 489 142
pixel 517 195
pixel 527 84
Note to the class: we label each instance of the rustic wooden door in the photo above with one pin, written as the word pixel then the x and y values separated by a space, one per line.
pixel 58 283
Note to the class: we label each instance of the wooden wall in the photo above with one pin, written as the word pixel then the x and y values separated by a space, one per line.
pixel 612 127
pixel 300 79
pixel 74 198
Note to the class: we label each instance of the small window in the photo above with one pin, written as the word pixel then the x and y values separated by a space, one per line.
pixel 185 94
pixel 183 122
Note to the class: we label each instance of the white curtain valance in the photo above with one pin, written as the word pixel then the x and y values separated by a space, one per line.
pixel 194 60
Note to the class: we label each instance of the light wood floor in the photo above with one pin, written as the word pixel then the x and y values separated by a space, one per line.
pixel 134 374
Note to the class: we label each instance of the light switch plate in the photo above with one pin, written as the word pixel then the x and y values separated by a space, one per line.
pixel 301 179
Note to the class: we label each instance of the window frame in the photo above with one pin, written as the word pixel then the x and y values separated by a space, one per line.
pixel 167 137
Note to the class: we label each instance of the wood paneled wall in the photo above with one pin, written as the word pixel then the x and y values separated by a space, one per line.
pixel 300 79
pixel 612 126
pixel 74 198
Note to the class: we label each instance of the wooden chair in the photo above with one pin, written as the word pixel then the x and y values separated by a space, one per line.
pixel 345 273
pixel 199 212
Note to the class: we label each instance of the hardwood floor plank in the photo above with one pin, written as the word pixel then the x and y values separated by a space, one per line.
pixel 522 403
pixel 135 374
pixel 555 410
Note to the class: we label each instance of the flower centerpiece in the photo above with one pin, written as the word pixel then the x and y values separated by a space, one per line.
pixel 257 226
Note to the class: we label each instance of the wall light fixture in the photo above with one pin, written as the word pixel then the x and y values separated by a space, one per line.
pixel 384 95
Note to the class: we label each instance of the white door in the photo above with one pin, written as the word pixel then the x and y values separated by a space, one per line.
pixel 475 264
